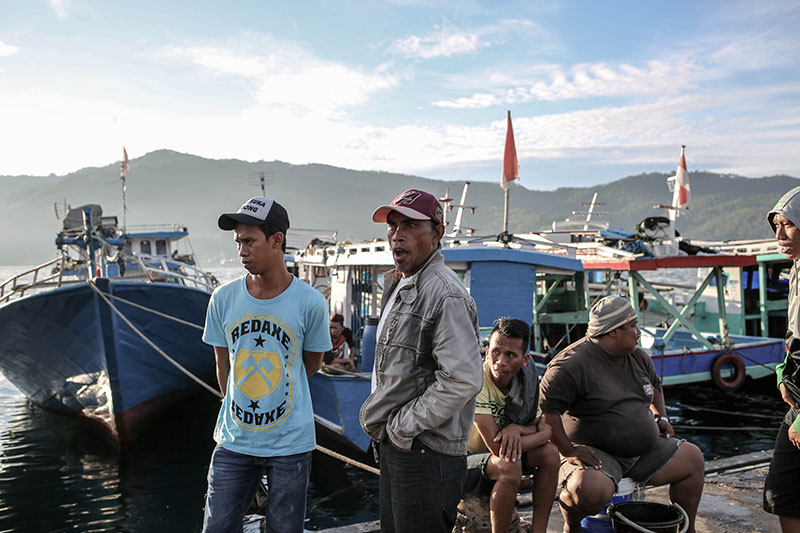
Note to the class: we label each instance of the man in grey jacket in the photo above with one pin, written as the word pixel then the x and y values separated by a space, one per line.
pixel 426 375
pixel 781 487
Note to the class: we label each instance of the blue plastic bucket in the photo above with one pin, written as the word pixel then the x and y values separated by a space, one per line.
pixel 601 523
pixel 368 344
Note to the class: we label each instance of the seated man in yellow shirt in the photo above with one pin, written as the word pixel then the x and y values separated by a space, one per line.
pixel 509 436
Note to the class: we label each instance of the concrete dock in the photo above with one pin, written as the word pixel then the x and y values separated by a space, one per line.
pixel 731 501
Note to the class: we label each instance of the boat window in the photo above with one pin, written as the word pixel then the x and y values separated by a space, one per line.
pixel 161 247
pixel 145 248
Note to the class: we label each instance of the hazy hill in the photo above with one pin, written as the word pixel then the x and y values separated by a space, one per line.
pixel 166 186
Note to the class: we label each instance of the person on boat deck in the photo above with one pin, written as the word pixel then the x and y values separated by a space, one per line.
pixel 782 484
pixel 426 375
pixel 269 333
pixel 509 435
pixel 605 404
pixel 339 355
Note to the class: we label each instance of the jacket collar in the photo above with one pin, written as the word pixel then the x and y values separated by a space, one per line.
pixel 436 258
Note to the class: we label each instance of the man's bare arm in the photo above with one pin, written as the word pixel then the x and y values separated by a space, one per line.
pixel 223 367
pixel 313 362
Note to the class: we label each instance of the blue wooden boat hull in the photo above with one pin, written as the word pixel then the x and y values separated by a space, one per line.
pixel 69 352
pixel 337 402
pixel 685 360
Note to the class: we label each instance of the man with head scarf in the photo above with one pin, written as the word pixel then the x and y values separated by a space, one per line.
pixel 781 488
pixel 604 402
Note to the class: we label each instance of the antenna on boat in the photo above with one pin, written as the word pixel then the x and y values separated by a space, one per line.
pixel 448 206
pixel 589 213
pixel 262 179
pixel 124 166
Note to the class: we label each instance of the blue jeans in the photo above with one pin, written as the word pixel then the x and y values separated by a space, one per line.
pixel 232 482
pixel 420 489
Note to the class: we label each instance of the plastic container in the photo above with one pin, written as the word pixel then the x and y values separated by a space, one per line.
pixel 368 344
pixel 601 522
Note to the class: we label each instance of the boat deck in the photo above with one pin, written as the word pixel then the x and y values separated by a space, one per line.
pixel 685 261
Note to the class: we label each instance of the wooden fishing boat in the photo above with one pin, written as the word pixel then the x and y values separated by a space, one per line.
pixel 110 330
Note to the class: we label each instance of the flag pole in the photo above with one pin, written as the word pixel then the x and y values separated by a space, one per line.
pixel 505 210
pixel 510 169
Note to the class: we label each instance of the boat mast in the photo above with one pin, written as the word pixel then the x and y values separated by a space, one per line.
pixel 124 166
pixel 591 210
pixel 460 212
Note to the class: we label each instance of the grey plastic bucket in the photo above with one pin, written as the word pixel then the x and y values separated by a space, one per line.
pixel 647 517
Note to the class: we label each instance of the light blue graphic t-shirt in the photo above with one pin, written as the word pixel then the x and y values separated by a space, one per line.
pixel 267 408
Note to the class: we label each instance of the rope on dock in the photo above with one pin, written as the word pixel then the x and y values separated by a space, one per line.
pixel 336 370
pixel 723 412
pixel 348 460
pixel 152 345
pixel 718 428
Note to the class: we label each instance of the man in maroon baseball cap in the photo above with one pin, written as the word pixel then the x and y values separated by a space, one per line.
pixel 412 240
pixel 419 205
pixel 426 375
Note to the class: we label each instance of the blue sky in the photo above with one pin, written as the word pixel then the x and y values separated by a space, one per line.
pixel 597 90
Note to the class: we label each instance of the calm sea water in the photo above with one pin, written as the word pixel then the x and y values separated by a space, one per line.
pixel 57 474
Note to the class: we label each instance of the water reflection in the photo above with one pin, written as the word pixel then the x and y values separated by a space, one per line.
pixel 57 474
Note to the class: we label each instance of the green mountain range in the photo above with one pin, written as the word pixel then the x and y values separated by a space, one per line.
pixel 166 187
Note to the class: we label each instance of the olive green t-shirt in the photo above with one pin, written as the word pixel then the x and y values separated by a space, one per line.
pixel 604 400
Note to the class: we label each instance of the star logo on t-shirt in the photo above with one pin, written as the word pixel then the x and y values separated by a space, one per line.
pixel 253 405
pixel 260 341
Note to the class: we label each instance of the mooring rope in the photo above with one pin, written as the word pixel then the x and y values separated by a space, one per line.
pixel 345 459
pixel 106 299
pixel 149 342
pixel 157 313
pixel 336 370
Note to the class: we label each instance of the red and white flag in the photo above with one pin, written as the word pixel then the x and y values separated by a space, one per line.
pixel 683 193
pixel 126 166
pixel 510 163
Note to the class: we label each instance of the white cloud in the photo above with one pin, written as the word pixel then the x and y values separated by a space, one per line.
pixel 759 139
pixel 290 75
pixel 59 7
pixel 588 80
pixel 449 41
pixel 443 42
pixel 7 49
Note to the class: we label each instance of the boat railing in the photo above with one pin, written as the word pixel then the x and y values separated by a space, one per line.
pixel 151 228
pixel 159 268
pixel 47 274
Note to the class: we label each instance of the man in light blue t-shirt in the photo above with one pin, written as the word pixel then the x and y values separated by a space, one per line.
pixel 269 331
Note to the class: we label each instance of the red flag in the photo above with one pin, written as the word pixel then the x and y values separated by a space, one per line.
pixel 125 165
pixel 683 193
pixel 510 163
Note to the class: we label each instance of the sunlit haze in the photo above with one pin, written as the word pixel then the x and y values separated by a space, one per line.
pixel 596 90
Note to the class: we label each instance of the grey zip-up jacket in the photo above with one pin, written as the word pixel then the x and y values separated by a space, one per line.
pixel 427 363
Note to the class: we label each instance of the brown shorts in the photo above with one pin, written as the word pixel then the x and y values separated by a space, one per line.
pixel 640 468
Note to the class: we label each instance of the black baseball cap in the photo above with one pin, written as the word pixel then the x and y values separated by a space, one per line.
pixel 257 211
